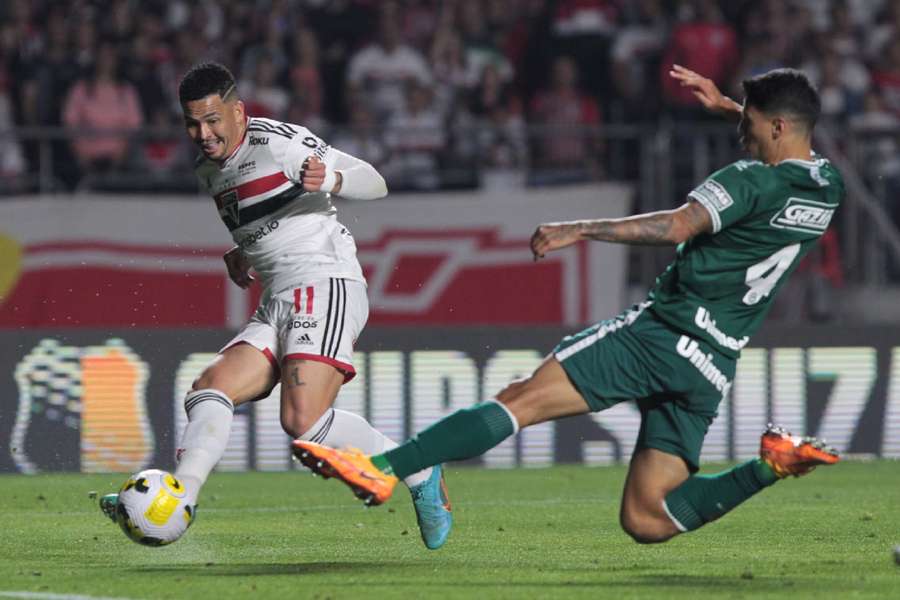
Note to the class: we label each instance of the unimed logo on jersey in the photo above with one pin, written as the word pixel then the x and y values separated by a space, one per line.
pixel 804 215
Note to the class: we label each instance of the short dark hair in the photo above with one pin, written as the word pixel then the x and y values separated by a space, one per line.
pixel 205 79
pixel 784 92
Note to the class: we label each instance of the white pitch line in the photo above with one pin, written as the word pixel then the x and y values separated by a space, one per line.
pixel 49 596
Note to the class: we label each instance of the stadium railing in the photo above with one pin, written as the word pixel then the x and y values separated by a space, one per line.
pixel 662 161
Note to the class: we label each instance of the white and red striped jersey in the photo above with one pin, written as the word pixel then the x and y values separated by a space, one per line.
pixel 289 236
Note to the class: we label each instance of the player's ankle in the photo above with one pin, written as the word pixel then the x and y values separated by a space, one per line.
pixel 766 472
pixel 192 485
pixel 382 464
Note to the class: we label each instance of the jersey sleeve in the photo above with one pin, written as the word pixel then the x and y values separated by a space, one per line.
pixel 360 179
pixel 298 149
pixel 728 194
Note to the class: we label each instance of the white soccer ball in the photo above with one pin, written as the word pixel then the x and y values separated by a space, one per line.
pixel 153 508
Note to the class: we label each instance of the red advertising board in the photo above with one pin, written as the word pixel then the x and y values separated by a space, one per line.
pixel 440 259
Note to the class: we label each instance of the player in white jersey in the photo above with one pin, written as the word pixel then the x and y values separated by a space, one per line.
pixel 272 183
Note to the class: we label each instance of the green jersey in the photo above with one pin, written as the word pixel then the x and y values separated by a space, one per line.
pixel 765 219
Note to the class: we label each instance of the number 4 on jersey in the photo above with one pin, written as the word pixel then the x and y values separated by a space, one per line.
pixel 762 277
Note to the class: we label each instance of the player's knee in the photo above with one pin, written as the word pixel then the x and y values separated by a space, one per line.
pixel 293 425
pixel 644 528
pixel 203 382
pixel 297 423
pixel 212 377
pixel 522 401
pixel 512 390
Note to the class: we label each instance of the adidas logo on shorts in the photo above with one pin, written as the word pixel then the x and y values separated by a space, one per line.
pixel 305 339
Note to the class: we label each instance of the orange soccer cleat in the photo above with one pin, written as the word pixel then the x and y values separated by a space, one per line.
pixel 793 455
pixel 351 466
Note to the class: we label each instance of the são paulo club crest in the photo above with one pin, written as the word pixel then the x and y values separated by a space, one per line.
pixel 228 208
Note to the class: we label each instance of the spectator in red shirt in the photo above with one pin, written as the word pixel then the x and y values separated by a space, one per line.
pixel 567 119
pixel 704 43
pixel 102 101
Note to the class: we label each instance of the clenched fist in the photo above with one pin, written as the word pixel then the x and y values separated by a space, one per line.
pixel 553 236
pixel 316 177
pixel 238 267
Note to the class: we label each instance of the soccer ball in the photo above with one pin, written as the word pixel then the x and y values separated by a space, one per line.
pixel 153 508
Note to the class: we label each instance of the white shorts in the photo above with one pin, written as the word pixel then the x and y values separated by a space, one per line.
pixel 318 321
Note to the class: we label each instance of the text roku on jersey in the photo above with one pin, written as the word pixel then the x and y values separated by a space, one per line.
pixel 765 219
pixel 289 236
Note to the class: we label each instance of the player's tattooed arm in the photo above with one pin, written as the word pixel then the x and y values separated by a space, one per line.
pixel 663 228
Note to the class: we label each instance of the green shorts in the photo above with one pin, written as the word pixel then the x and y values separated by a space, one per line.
pixel 676 380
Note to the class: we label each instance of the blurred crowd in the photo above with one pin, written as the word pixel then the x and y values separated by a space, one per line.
pixel 434 93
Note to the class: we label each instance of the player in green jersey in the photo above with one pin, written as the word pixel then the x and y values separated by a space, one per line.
pixel 739 236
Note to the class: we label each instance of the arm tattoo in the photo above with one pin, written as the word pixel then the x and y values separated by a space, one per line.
pixel 652 229
pixel 661 228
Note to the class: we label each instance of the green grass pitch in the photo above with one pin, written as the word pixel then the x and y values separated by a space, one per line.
pixel 526 533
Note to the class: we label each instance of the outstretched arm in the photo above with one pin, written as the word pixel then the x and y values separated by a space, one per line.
pixel 707 93
pixel 663 228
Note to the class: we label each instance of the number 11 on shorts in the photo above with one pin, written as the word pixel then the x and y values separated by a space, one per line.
pixel 298 299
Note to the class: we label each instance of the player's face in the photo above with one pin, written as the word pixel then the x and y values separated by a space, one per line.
pixel 215 126
pixel 755 132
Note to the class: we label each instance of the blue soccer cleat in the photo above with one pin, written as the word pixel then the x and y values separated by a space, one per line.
pixel 108 504
pixel 433 509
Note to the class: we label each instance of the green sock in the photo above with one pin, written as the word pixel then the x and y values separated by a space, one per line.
pixel 705 498
pixel 467 433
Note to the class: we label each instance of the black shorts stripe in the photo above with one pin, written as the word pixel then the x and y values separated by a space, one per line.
pixel 340 331
pixel 328 315
pixel 335 316
pixel 339 317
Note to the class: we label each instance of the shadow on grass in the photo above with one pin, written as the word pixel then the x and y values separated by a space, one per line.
pixel 704 582
pixel 551 578
pixel 262 569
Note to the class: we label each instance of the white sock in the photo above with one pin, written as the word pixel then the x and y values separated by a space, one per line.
pixel 340 429
pixel 204 439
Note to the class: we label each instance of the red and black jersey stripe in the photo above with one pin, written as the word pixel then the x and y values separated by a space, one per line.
pixel 264 208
